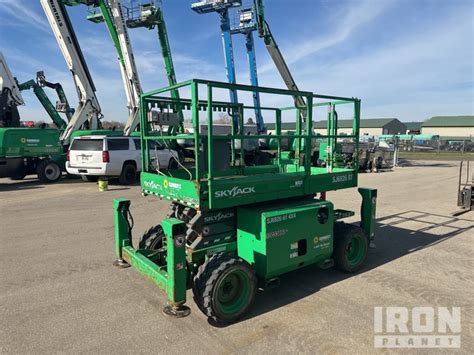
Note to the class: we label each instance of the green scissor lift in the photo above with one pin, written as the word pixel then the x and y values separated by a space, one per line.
pixel 231 227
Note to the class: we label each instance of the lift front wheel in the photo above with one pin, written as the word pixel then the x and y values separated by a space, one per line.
pixel 225 287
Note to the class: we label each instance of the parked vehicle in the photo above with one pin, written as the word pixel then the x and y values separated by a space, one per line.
pixel 92 157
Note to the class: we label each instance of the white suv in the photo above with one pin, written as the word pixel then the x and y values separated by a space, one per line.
pixel 108 156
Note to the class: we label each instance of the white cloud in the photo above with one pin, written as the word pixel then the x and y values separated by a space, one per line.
pixel 23 13
pixel 344 21
pixel 416 75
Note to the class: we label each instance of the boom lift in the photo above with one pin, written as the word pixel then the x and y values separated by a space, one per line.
pixel 118 19
pixel 61 106
pixel 276 55
pixel 88 112
pixel 11 96
pixel 27 150
pixel 111 12
pixel 246 26
pixel 149 14
pixel 222 8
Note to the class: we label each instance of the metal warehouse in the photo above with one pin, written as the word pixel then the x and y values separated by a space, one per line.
pixel 449 126
pixel 371 127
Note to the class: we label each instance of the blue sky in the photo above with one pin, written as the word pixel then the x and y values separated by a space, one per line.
pixel 410 59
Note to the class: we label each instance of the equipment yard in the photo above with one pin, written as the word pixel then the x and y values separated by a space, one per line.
pixel 280 203
pixel 60 292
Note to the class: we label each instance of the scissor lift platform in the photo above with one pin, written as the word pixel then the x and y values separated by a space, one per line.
pixel 237 190
pixel 205 187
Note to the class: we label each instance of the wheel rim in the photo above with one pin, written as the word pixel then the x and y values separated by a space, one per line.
pixel 52 171
pixel 233 292
pixel 355 250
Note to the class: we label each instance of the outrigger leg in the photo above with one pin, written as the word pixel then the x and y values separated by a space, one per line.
pixel 171 277
pixel 367 212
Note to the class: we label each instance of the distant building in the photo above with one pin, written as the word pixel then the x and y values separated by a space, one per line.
pixel 449 126
pixel 285 127
pixel 413 127
pixel 369 127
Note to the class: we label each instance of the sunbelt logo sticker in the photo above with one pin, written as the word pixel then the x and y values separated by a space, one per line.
pixel 235 192
pixel 24 140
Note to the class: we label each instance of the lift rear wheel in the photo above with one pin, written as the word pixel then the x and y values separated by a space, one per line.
pixel 48 171
pixel 152 239
pixel 224 287
pixel 350 247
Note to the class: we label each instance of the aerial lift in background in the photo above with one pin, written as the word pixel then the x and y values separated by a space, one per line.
pixel 88 112
pixel 111 12
pixel 276 55
pixel 245 17
pixel 222 7
pixel 23 150
pixel 250 19
pixel 149 14
pixel 11 96
pixel 62 105
pixel 118 18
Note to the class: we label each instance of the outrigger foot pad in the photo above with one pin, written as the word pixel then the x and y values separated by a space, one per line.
pixel 177 311
pixel 121 263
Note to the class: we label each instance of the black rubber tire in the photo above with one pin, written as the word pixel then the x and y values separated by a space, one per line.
pixel 152 239
pixel 19 174
pixel 128 175
pixel 48 171
pixel 208 280
pixel 197 285
pixel 343 236
pixel 89 178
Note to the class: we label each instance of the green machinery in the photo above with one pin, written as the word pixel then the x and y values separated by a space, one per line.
pixel 233 227
pixel 119 16
pixel 26 151
pixel 62 105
